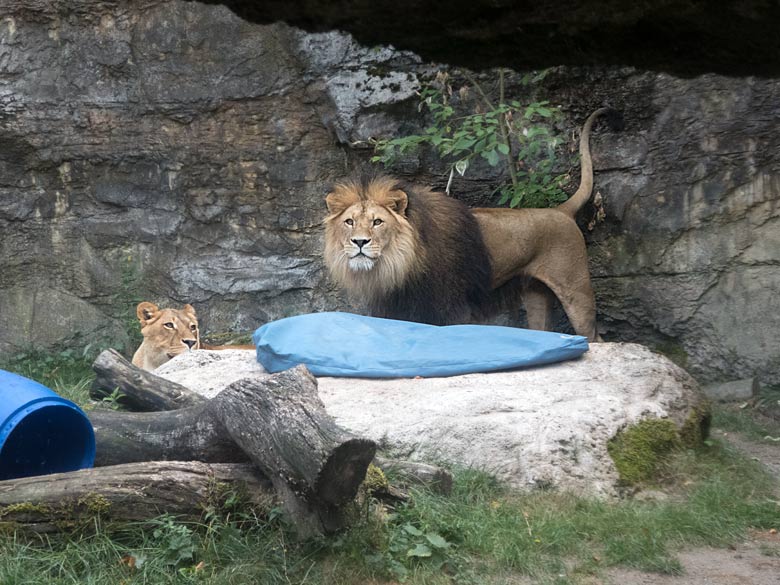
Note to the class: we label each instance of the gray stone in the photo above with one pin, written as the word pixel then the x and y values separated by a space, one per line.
pixel 30 316
pixel 173 152
pixel 688 38
pixel 732 391
pixel 537 427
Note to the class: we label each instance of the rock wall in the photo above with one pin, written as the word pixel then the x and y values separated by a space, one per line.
pixel 735 37
pixel 170 151
pixel 691 251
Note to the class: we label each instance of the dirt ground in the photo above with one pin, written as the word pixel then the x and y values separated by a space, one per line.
pixel 753 562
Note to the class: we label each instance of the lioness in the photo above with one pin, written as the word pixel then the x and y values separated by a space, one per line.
pixel 414 254
pixel 168 333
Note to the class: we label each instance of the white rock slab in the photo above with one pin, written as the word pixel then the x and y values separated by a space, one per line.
pixel 537 427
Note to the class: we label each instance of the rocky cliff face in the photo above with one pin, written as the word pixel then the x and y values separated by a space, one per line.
pixel 684 37
pixel 170 151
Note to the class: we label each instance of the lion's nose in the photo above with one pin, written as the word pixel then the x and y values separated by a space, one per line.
pixel 190 342
pixel 360 243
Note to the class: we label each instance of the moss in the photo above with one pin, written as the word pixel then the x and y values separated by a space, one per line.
pixel 25 507
pixel 638 449
pixel 696 427
pixel 95 504
pixel 375 480
pixel 674 351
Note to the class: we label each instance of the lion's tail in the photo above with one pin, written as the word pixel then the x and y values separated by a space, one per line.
pixel 572 205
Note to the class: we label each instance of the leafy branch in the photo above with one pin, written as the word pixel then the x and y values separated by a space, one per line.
pixel 515 137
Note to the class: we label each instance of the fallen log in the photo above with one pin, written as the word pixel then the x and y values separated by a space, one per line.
pixel 187 434
pixel 279 423
pixel 141 390
pixel 131 492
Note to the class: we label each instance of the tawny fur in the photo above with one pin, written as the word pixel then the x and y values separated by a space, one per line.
pixel 168 333
pixel 419 255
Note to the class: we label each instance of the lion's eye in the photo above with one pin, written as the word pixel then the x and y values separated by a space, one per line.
pixel 349 222
pixel 193 327
pixel 378 221
pixel 168 325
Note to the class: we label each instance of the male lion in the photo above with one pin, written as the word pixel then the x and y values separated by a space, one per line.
pixel 168 333
pixel 417 255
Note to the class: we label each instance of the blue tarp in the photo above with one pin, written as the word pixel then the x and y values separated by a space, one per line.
pixel 343 344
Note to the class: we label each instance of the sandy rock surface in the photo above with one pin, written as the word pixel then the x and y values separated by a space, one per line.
pixel 537 427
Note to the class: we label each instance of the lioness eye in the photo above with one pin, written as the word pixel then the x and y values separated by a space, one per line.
pixel 378 221
pixel 349 222
pixel 168 325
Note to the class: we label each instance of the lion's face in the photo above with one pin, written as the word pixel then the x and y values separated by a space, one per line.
pixel 368 240
pixel 365 230
pixel 167 333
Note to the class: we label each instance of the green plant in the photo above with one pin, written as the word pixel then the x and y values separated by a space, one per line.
pixel 176 540
pixel 114 399
pixel 408 546
pixel 395 545
pixel 516 137
pixel 485 533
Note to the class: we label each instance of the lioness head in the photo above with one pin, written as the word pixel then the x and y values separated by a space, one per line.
pixel 167 333
pixel 369 241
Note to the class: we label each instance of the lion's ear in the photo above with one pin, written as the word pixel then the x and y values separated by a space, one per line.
pixel 146 312
pixel 337 201
pixel 397 201
pixel 190 310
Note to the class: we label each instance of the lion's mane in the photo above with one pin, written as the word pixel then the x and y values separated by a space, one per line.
pixel 436 269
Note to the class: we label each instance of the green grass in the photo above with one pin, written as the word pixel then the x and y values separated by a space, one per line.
pixel 481 533
pixel 482 529
pixel 68 371
pixel 752 419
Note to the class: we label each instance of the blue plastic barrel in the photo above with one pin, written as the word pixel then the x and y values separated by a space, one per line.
pixel 40 432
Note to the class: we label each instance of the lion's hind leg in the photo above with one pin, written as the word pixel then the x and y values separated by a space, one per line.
pixel 574 291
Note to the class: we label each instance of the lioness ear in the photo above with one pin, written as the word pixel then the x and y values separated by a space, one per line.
pixel 146 311
pixel 337 201
pixel 398 201
pixel 190 310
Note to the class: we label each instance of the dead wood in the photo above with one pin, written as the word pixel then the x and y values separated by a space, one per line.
pixel 279 423
pixel 315 465
pixel 130 492
pixel 140 389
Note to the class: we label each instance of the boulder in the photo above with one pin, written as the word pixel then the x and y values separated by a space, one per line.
pixel 542 427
